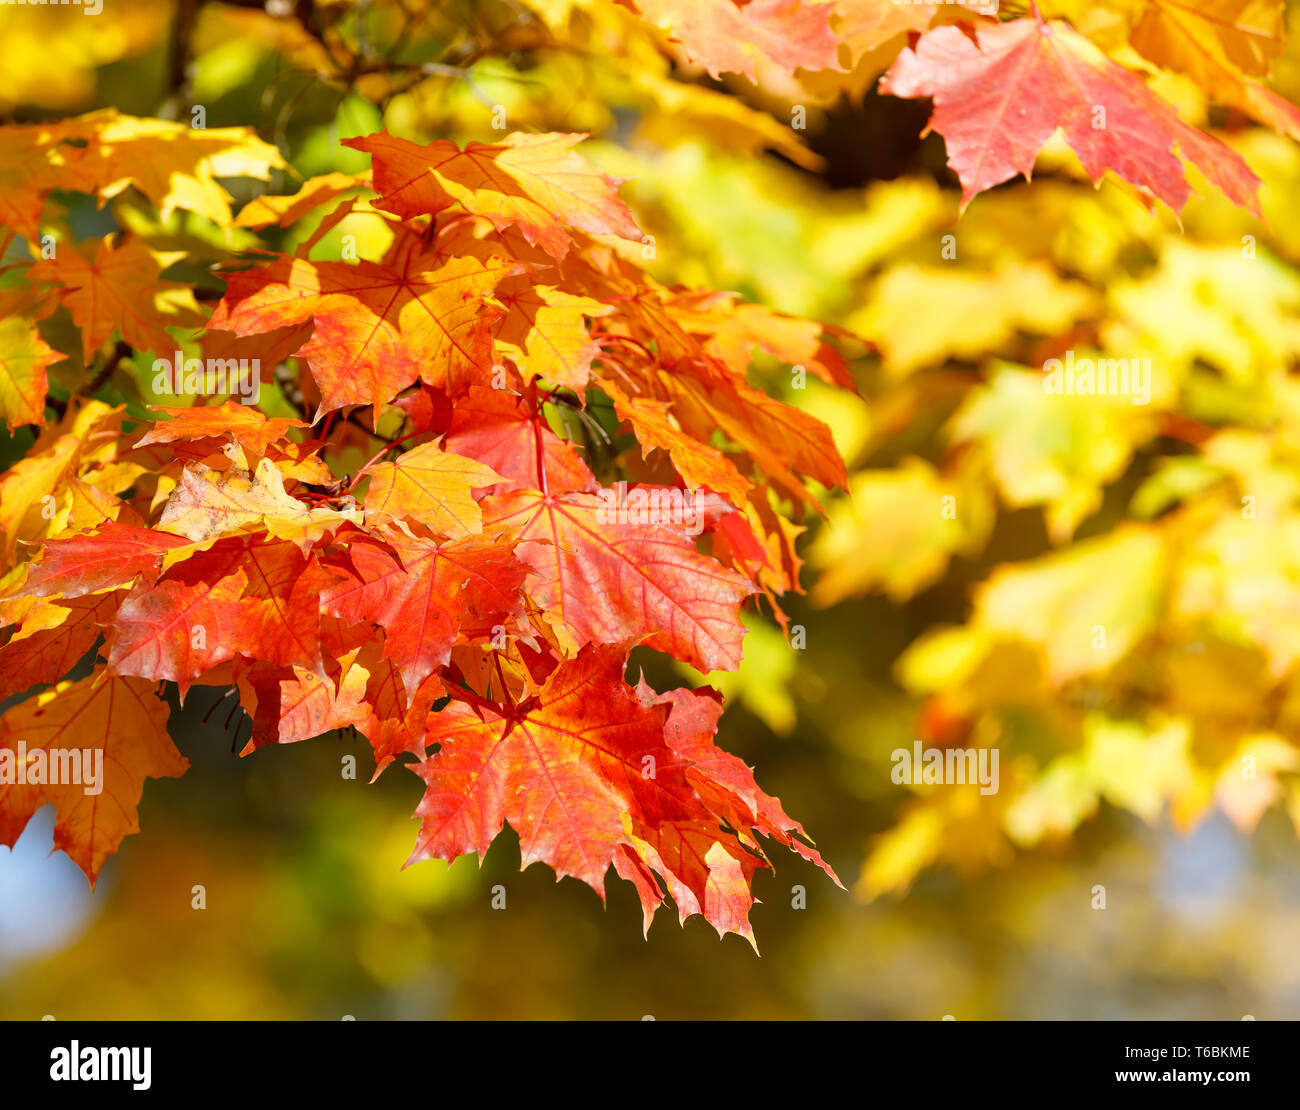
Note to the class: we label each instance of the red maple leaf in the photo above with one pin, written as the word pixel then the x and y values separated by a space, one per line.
pixel 1001 91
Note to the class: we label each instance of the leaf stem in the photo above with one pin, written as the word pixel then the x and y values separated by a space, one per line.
pixel 537 437
pixel 598 335
pixel 505 689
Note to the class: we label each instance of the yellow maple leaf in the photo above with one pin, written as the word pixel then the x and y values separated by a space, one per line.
pixel 210 503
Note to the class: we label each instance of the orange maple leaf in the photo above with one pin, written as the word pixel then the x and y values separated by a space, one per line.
pixel 537 183
pixel 119 726
pixel 378 327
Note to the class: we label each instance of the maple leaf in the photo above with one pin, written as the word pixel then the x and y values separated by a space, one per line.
pixel 723 780
pixel 428 409
pixel 104 153
pixel 1251 33
pixel 378 327
pixel 393 720
pixel 269 348
pixel 210 503
pixel 121 721
pixel 50 470
pixel 561 777
pixel 733 329
pixel 703 874
pixel 497 428
pixel 481 561
pixel 432 486
pixel 173 164
pixel 545 331
pixel 249 427
pixel 1216 44
pixel 52 638
pixel 242 595
pixel 583 774
pixel 118 289
pixel 788 444
pixel 1224 46
pixel 1204 40
pixel 115 555
pixel 726 37
pixel 34 160
pixel 291 704
pixel 863 25
pixel 699 464
pixel 601 581
pixel 284 210
pixel 1003 90
pixel 24 358
pixel 363 689
pixel 537 183
pixel 424 595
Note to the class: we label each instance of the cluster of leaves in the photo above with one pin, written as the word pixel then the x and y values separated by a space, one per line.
pixel 467 595
pixel 475 594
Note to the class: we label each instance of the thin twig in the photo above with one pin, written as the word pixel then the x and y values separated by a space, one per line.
pixel 120 351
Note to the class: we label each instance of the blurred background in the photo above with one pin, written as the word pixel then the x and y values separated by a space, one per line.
pixel 1121 772
pixel 309 914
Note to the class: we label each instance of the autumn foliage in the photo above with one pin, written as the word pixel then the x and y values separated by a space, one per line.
pixel 471 593
pixel 542 417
